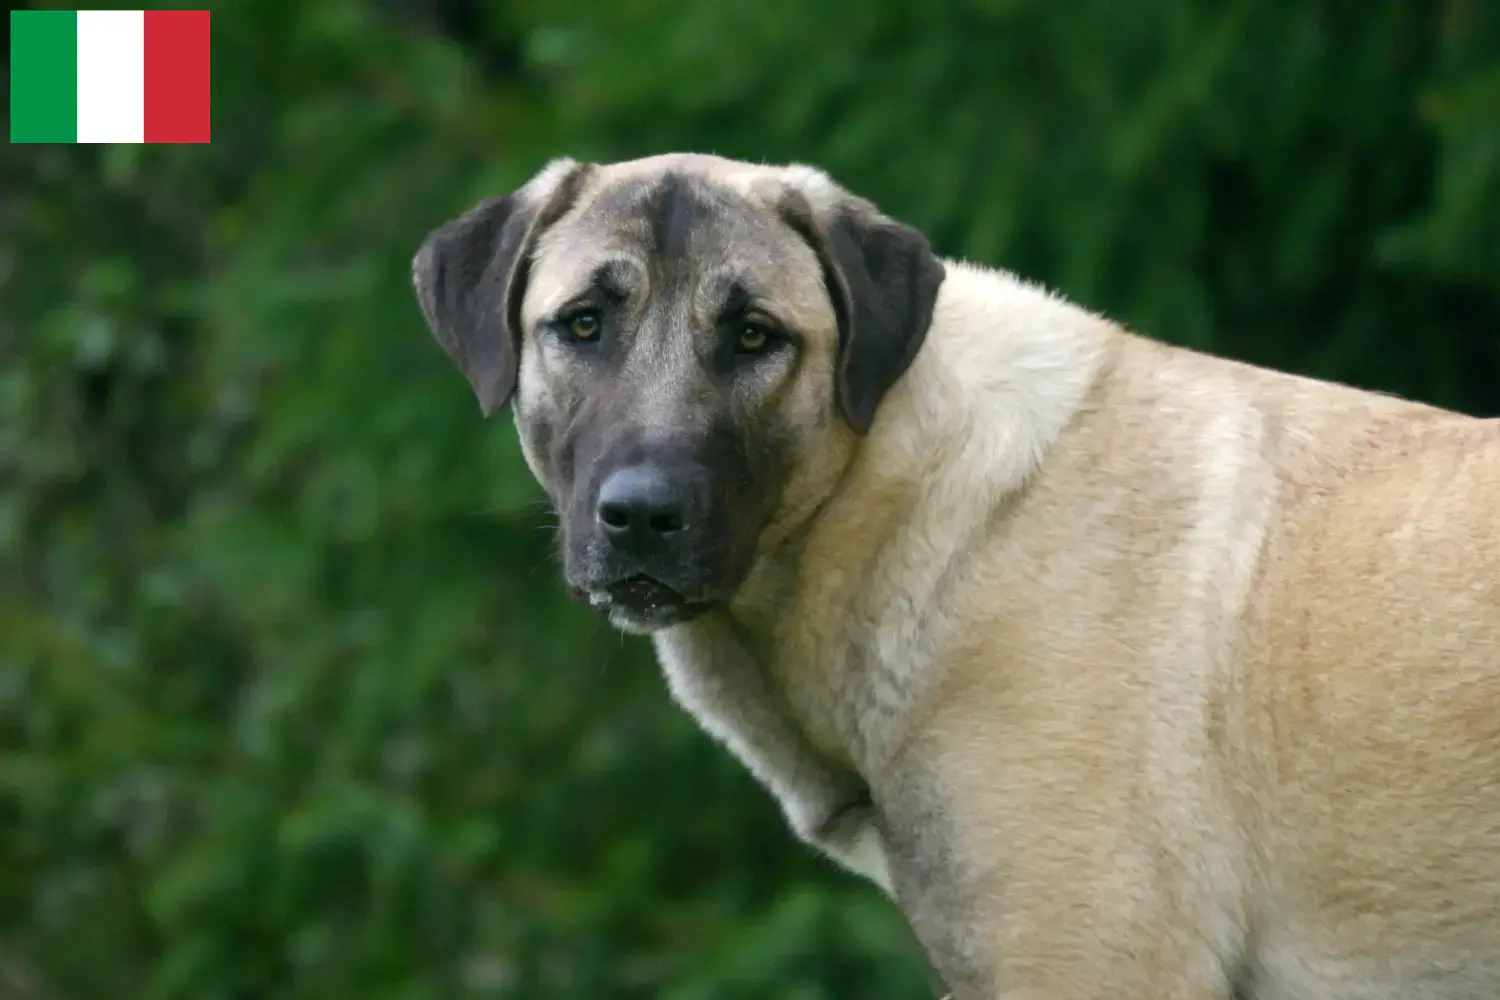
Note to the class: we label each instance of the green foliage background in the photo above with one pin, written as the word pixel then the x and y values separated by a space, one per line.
pixel 291 701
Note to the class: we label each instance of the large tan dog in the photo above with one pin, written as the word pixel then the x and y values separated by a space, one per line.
pixel 1131 673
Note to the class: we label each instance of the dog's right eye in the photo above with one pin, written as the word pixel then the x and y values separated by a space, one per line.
pixel 583 326
pixel 754 339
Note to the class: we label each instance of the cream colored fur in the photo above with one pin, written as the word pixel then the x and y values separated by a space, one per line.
pixel 1167 676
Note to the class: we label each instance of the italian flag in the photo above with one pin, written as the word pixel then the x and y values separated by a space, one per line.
pixel 109 76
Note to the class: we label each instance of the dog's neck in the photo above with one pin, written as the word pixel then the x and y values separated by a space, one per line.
pixel 825 661
pixel 1004 369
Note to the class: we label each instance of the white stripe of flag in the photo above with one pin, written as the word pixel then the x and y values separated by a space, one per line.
pixel 111 76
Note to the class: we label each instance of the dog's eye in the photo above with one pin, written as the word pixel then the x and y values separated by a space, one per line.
pixel 753 339
pixel 583 325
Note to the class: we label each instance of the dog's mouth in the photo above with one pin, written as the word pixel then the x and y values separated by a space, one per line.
pixel 644 593
pixel 642 603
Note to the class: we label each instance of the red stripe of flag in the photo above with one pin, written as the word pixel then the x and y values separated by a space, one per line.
pixel 177 57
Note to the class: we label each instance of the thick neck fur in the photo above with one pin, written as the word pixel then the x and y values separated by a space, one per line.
pixel 1004 368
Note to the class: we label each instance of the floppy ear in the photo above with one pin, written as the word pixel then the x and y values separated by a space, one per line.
pixel 883 278
pixel 470 277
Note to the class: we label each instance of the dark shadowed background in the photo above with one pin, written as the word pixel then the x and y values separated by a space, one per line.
pixel 292 703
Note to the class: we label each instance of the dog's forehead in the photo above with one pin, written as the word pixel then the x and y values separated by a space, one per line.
pixel 664 212
pixel 690 217
pixel 738 175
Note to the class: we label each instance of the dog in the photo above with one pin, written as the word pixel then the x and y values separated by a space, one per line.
pixel 1127 671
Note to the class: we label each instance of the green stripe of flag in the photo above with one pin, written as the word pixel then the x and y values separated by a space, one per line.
pixel 43 76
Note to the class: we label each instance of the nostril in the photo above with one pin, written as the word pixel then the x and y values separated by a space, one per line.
pixel 666 522
pixel 614 515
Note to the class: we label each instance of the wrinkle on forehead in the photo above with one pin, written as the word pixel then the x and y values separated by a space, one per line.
pixel 563 273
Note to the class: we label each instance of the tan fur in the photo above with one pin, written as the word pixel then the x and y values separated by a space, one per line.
pixel 1167 675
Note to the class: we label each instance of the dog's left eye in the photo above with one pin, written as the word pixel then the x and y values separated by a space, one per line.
pixel 583 325
pixel 753 339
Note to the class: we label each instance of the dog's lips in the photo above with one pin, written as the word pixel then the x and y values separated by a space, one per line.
pixel 643 603
pixel 644 593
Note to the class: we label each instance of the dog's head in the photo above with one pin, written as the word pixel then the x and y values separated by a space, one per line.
pixel 692 347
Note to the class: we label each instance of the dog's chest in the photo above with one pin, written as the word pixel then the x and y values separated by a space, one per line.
pixel 851 683
pixel 821 694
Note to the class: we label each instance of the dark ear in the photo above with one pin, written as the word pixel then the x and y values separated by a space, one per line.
pixel 470 277
pixel 883 278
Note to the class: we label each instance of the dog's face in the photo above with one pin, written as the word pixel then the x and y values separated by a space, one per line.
pixel 692 347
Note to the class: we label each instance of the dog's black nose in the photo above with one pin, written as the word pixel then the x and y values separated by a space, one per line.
pixel 638 505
